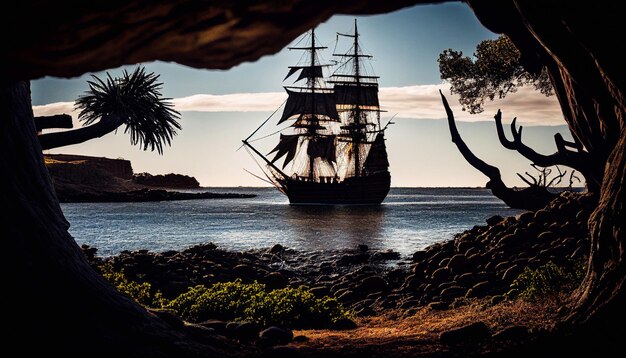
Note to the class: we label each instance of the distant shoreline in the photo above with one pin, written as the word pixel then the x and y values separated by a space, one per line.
pixel 147 195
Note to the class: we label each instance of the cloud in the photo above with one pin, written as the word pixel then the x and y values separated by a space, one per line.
pixel 410 102
pixel 54 108
pixel 236 102
pixel 424 102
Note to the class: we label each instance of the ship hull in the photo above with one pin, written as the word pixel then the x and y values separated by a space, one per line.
pixel 371 189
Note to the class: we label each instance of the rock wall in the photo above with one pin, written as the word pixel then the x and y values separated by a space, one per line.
pixel 119 168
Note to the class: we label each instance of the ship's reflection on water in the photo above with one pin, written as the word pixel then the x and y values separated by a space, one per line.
pixel 337 226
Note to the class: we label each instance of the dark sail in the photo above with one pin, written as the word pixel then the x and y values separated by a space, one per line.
pixel 352 94
pixel 288 144
pixel 307 72
pixel 377 160
pixel 323 147
pixel 300 103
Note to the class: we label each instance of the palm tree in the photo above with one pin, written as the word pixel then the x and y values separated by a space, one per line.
pixel 134 99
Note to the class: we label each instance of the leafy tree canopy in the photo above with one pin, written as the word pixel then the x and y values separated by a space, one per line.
pixel 494 70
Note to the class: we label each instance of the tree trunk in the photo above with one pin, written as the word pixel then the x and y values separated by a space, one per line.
pixel 591 82
pixel 63 305
pixel 104 126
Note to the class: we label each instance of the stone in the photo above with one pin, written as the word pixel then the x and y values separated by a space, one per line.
pixel 464 245
pixel 452 292
pixel 386 255
pixel 419 256
pixel 466 279
pixel 438 306
pixel 457 263
pixel 278 248
pixel 512 272
pixel 497 299
pixel 440 275
pixel 354 259
pixel 547 236
pixel 470 334
pixel 346 295
pixel 275 280
pixel 480 290
pixel 372 284
pixel 300 338
pixel 244 271
pixel 243 331
pixel 494 220
pixel 344 324
pixel 320 291
pixel 217 325
pixel 276 335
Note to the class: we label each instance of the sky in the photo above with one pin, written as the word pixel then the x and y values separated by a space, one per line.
pixel 219 108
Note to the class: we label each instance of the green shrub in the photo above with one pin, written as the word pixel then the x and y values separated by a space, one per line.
pixel 547 280
pixel 140 292
pixel 291 307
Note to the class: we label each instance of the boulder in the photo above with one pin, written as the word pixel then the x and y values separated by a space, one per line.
pixel 386 255
pixel 244 271
pixel 217 325
pixel 275 335
pixel 278 248
pixel 320 291
pixel 512 272
pixel 344 324
pixel 452 292
pixel 275 280
pixel 243 331
pixel 440 275
pixel 470 334
pixel 480 290
pixel 419 256
pixel 438 306
pixel 458 263
pixel 494 220
pixel 372 284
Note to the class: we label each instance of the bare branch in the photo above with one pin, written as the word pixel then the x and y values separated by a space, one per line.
pixel 488 170
pixel 526 180
pixel 54 121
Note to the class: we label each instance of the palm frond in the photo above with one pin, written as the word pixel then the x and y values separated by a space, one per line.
pixel 135 99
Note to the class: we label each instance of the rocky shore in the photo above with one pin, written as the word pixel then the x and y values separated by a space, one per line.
pixel 480 263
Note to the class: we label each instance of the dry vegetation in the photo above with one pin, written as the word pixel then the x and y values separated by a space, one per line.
pixel 397 334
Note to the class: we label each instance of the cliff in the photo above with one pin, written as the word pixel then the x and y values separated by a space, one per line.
pixel 85 178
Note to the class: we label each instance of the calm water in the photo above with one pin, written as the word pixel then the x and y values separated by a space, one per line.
pixel 408 220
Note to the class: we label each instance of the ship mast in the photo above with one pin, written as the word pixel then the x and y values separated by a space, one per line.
pixel 313 122
pixel 357 109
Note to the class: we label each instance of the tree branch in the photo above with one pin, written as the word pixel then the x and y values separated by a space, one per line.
pixel 490 171
pixel 54 121
pixel 60 139
pixel 576 160
pixel 530 198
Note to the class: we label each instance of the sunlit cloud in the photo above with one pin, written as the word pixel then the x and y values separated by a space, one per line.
pixel 236 102
pixel 424 102
pixel 410 102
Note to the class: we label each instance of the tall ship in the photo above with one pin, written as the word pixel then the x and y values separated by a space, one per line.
pixel 330 141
